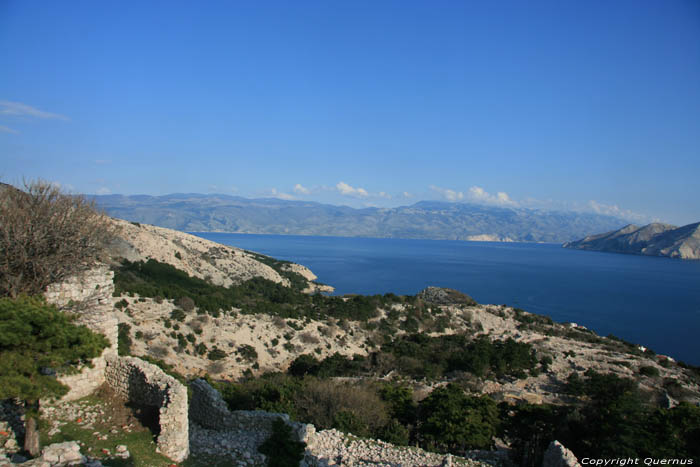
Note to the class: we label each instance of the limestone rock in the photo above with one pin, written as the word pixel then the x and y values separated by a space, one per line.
pixel 557 455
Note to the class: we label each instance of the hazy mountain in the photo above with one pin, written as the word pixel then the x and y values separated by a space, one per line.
pixel 426 219
pixel 653 240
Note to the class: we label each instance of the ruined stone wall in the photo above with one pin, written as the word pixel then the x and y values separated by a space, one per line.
pixel 146 384
pixel 89 296
pixel 209 410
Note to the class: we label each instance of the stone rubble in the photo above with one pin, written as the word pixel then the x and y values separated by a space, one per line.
pixel 214 430
pixel 332 447
pixel 54 455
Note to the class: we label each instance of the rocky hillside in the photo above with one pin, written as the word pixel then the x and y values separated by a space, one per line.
pixel 379 366
pixel 652 240
pixel 260 334
pixel 425 219
pixel 219 264
pixel 253 344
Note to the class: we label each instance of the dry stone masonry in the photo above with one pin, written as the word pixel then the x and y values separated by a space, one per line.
pixel 209 410
pixel 146 384
pixel 216 430
pixel 89 296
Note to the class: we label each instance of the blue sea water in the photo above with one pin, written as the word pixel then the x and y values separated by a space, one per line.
pixel 647 300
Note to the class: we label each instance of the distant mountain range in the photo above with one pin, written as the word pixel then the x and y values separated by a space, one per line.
pixel 423 220
pixel 653 240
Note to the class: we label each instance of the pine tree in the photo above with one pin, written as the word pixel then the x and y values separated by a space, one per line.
pixel 36 342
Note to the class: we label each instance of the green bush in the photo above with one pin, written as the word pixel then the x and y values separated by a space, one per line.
pixel 422 356
pixel 248 353
pixel 216 354
pixel 186 303
pixel 451 421
pixel 281 449
pixel 322 401
pixel 178 315
pixel 124 341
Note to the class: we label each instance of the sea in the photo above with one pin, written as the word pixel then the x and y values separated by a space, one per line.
pixel 651 301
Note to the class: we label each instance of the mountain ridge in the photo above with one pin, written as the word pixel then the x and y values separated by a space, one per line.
pixel 435 220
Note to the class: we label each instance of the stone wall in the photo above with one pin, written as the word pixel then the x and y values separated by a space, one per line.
pixel 209 410
pixel 89 297
pixel 86 290
pixel 146 384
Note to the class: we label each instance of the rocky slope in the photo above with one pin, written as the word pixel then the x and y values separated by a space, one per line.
pixel 277 342
pixel 652 240
pixel 262 342
pixel 425 219
pixel 219 264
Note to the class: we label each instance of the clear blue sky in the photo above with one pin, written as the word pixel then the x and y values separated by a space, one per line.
pixel 589 105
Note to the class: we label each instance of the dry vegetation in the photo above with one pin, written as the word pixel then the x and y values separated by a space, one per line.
pixel 47 235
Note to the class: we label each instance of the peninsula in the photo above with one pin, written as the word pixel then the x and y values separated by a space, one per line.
pixel 655 239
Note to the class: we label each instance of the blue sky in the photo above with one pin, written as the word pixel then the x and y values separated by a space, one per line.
pixel 587 105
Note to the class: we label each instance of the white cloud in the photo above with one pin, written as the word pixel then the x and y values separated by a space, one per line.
pixel 449 195
pixel 17 109
pixel 348 190
pixel 104 191
pixel 281 195
pixel 302 190
pixel 4 129
pixel 406 194
pixel 383 194
pixel 475 194
pixel 616 211
pixel 501 198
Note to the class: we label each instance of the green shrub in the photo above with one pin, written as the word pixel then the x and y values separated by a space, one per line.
pixel 216 354
pixel 124 341
pixel 178 315
pixel 281 449
pixel 322 401
pixel 451 421
pixel 650 371
pixel 186 303
pixel 248 353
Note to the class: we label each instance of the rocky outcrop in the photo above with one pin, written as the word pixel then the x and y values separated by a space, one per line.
pixel 444 296
pixel 220 264
pixel 557 455
pixel 652 240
